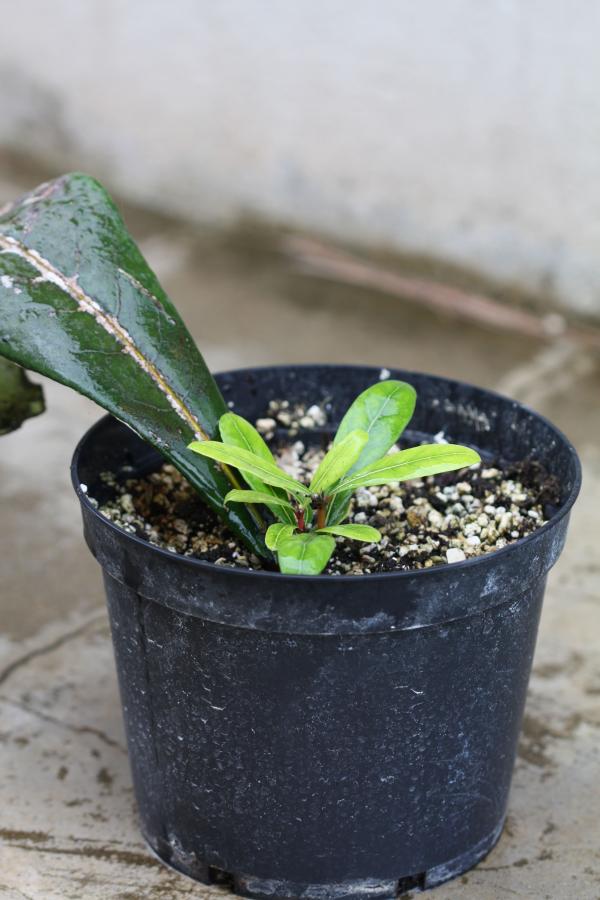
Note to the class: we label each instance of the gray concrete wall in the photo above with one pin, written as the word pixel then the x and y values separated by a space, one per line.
pixel 461 129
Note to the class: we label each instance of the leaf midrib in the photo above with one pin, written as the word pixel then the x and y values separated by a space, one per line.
pixel 107 321
pixel 379 414
pixel 371 470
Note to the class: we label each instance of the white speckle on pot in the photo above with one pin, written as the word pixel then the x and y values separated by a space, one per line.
pixel 83 488
pixel 384 374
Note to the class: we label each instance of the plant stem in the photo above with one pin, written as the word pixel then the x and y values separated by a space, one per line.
pixel 322 515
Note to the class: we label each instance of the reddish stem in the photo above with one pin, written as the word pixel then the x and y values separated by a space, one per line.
pixel 322 516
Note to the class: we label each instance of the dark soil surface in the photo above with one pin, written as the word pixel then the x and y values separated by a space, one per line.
pixel 441 519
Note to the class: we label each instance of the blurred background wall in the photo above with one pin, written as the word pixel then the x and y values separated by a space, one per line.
pixel 460 129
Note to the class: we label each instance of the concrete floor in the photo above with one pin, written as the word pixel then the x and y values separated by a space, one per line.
pixel 67 816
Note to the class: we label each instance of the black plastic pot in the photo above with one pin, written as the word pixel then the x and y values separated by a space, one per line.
pixel 326 737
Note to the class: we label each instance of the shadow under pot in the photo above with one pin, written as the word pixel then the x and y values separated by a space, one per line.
pixel 327 737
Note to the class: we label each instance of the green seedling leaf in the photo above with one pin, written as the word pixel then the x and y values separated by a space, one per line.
pixel 238 432
pixel 354 532
pixel 250 463
pixel 241 496
pixel 306 553
pixel 383 411
pixel 276 533
pixel 417 462
pixel 338 461
pixel 79 304
pixel 339 507
pixel 19 398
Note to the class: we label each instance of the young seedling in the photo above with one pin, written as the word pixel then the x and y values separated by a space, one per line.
pixel 310 516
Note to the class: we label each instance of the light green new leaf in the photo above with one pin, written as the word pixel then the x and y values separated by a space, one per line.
pixel 276 533
pixel 249 462
pixel 338 461
pixel 417 462
pixel 383 411
pixel 19 398
pixel 238 432
pixel 339 507
pixel 79 303
pixel 356 532
pixel 241 496
pixel 306 553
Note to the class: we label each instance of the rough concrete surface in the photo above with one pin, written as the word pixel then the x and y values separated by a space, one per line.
pixel 67 816
pixel 466 129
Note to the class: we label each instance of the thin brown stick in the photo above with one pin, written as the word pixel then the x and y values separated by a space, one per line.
pixel 326 261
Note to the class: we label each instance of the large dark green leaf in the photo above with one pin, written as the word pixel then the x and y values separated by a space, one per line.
pixel 79 303
pixel 19 398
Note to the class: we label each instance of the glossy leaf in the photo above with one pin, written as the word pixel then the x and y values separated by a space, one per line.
pixel 79 304
pixel 248 462
pixel 276 533
pixel 338 461
pixel 355 532
pixel 242 496
pixel 417 462
pixel 238 432
pixel 19 398
pixel 383 411
pixel 306 553
pixel 339 507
